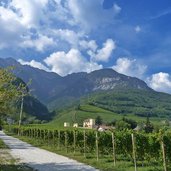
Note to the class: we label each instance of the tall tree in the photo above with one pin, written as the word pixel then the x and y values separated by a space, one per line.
pixel 11 89
pixel 98 121
pixel 148 126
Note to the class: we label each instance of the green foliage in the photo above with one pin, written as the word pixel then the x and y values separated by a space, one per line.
pixel 98 120
pixel 122 125
pixel 141 103
pixel 131 122
pixel 114 105
pixel 148 126
pixel 12 89
pixel 147 146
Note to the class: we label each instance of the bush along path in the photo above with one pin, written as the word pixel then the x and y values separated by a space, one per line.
pixel 109 151
pixel 40 159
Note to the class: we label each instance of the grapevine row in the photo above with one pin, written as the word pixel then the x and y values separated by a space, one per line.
pixel 117 144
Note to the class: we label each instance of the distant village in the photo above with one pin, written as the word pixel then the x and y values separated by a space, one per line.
pixel 89 124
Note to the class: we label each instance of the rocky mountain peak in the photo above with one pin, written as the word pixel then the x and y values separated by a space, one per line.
pixel 51 88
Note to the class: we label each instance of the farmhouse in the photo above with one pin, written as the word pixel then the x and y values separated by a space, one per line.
pixel 75 125
pixel 66 124
pixel 89 123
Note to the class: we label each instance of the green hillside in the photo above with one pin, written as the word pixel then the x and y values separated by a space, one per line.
pixel 114 105
pixel 137 102
pixel 90 111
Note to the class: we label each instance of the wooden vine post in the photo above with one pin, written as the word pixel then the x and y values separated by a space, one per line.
pixel 84 143
pixel 59 138
pixel 113 145
pixel 33 133
pixel 38 133
pixel 29 133
pixel 134 151
pixel 164 155
pixel 48 136
pixel 97 146
pixel 66 141
pixel 74 133
pixel 41 134
pixel 44 135
pixel 53 137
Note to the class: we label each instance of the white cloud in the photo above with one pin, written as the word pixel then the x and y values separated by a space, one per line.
pixel 39 44
pixel 160 82
pixel 117 8
pixel 137 29
pixel 129 67
pixel 91 45
pixel 161 14
pixel 6 14
pixel 34 64
pixel 105 53
pixel 10 28
pixel 67 63
pixel 29 12
pixel 16 19
pixel 90 14
pixel 68 35
pixel 64 21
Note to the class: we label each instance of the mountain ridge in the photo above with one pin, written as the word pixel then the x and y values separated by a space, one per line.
pixel 52 89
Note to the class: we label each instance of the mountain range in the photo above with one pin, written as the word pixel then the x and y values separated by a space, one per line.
pixel 56 91
pixel 103 89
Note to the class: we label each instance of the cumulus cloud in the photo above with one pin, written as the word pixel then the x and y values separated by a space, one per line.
pixel 130 67
pixel 88 20
pixel 67 35
pixel 160 82
pixel 64 21
pixel 104 53
pixel 11 29
pixel 67 63
pixel 29 12
pixel 39 44
pixel 34 64
pixel 91 45
pixel 17 18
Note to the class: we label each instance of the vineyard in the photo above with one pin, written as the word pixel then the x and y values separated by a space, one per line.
pixel 139 151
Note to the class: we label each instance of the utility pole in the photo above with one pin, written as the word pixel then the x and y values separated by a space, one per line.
pixel 21 112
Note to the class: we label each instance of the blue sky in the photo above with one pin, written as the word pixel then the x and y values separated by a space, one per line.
pixel 66 36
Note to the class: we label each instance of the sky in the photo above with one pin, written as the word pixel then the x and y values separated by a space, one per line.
pixel 68 36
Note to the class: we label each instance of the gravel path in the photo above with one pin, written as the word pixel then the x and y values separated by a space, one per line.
pixel 39 159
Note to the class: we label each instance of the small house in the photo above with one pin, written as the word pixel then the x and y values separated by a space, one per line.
pixel 89 123
pixel 75 125
pixel 66 124
pixel 138 128
pixel 102 128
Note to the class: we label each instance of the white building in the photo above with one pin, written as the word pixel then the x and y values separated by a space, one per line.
pixel 89 123
pixel 75 125
pixel 66 124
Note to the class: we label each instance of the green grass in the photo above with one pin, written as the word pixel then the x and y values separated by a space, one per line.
pixel 2 145
pixel 89 111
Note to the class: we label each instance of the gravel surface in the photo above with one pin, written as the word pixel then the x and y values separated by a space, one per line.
pixel 40 159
